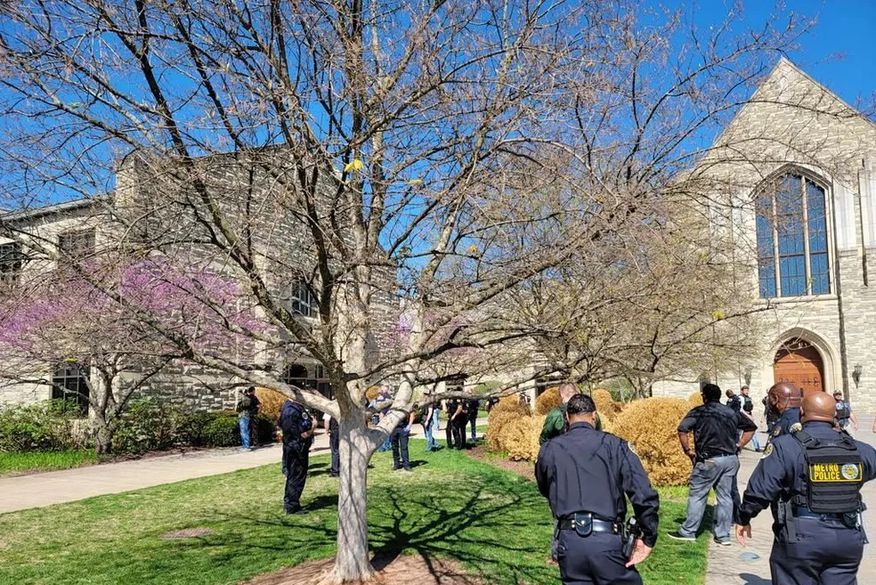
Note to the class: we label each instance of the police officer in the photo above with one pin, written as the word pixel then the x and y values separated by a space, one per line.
pixel 784 399
pixel 458 419
pixel 297 427
pixel 450 407
pixel 586 475
pixel 812 480
pixel 716 428
pixel 331 425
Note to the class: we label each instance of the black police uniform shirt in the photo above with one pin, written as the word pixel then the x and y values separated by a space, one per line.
pixel 716 428
pixel 783 424
pixel 781 471
pixel 295 421
pixel 585 470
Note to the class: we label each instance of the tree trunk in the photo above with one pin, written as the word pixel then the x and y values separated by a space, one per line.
pixel 103 435
pixel 356 447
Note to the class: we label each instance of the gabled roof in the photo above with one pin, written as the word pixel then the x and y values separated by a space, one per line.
pixel 785 76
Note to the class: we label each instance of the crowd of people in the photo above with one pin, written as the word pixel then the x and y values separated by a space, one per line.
pixel 810 475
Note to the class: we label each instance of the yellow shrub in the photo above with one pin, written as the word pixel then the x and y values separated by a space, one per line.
pixel 271 402
pixel 695 399
pixel 495 423
pixel 606 423
pixel 547 401
pixel 606 406
pixel 510 404
pixel 650 427
pixel 519 437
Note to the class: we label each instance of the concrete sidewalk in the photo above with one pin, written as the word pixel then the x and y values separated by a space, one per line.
pixel 735 565
pixel 56 487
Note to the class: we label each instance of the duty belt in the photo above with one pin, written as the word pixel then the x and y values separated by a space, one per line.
pixel 801 512
pixel 568 523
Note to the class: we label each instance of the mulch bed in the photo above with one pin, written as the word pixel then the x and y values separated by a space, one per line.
pixel 392 570
pixel 524 469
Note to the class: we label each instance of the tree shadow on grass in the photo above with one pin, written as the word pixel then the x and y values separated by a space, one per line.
pixel 497 526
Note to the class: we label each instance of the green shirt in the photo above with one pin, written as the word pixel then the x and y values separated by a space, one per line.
pixel 555 424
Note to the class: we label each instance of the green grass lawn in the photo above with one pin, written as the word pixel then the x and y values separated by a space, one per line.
pixel 44 461
pixel 493 522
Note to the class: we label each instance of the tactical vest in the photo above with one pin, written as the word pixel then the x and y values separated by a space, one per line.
pixel 834 474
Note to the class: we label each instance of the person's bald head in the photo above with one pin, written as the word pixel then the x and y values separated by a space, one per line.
pixel 784 395
pixel 818 406
pixel 567 390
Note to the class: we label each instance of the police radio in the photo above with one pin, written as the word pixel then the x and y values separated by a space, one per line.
pixel 632 532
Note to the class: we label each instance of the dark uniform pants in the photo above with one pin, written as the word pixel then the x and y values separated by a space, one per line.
pixel 399 442
pixel 459 432
pixel 297 458
pixel 335 446
pixel 827 553
pixel 595 559
pixel 449 433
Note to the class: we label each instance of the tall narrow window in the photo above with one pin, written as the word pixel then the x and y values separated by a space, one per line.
pixel 302 301
pixel 11 261
pixel 791 224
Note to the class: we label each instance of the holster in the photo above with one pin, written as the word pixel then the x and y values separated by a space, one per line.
pixel 631 533
pixel 785 518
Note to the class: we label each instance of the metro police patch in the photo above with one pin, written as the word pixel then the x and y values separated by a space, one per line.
pixel 768 451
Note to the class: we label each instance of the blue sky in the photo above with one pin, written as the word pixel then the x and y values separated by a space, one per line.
pixel 839 51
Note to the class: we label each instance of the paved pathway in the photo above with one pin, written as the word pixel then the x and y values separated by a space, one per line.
pixel 56 487
pixel 735 565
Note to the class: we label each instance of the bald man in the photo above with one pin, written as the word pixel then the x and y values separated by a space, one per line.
pixel 784 399
pixel 812 479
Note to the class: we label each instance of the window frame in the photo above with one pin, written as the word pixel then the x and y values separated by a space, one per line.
pixel 76 253
pixel 61 374
pixel 772 190
pixel 11 263
pixel 301 300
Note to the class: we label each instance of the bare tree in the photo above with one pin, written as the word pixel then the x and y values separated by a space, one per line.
pixel 336 156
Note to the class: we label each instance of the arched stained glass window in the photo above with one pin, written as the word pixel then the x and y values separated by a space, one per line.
pixel 792 238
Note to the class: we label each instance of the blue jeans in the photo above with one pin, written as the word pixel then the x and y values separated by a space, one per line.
pixel 243 422
pixel 431 444
pixel 718 473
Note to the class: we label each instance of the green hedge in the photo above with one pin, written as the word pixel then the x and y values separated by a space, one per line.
pixel 44 426
pixel 147 424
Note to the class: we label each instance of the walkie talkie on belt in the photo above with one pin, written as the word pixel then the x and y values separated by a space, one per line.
pixel 632 532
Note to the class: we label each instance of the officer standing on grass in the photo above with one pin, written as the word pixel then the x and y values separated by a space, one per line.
pixel 586 475
pixel 812 479
pixel 297 427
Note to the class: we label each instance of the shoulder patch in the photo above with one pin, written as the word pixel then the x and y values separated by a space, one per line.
pixel 767 451
pixel 796 427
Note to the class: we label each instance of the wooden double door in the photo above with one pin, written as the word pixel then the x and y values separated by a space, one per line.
pixel 799 363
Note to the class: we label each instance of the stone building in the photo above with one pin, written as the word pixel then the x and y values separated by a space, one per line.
pixel 798 191
pixel 152 208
